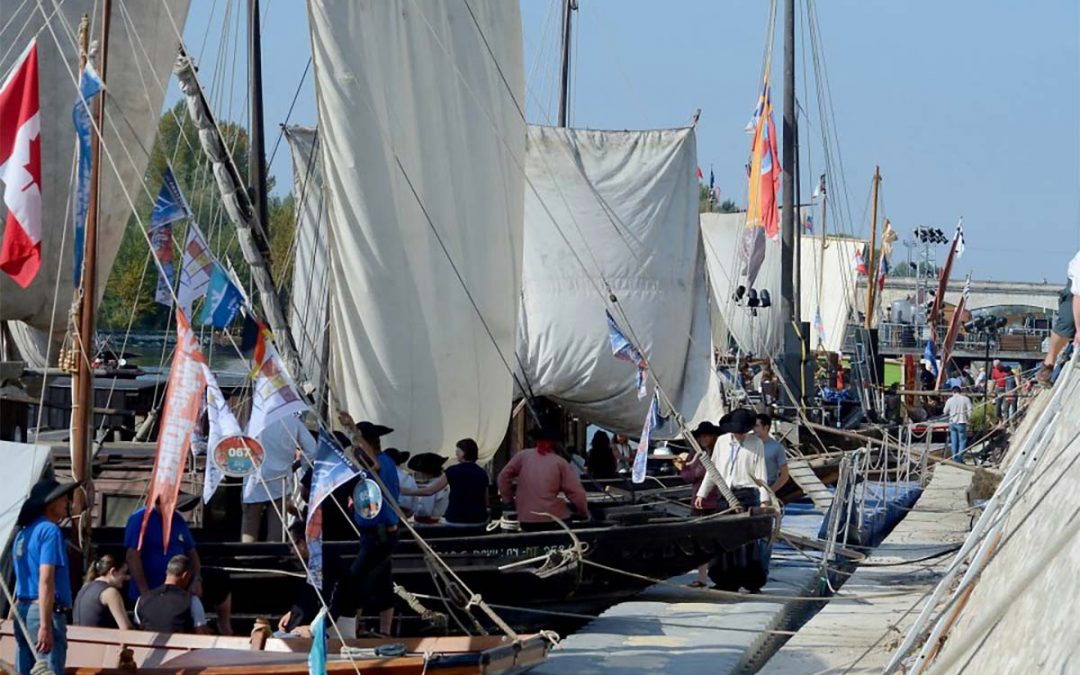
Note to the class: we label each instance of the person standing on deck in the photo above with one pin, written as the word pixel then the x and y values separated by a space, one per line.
pixel 542 474
pixel 693 472
pixel 264 489
pixel 371 574
pixel 620 445
pixel 468 483
pixel 999 374
pixel 1064 330
pixel 958 408
pixel 601 461
pixel 776 468
pixel 42 576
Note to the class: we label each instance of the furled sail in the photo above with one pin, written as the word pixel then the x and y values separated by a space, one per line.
pixel 308 304
pixel 614 212
pixel 142 44
pixel 421 144
pixel 827 286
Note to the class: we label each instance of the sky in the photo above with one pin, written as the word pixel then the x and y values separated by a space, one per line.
pixel 970 107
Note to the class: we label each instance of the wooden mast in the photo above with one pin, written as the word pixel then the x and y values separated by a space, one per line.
pixel 792 349
pixel 871 270
pixel 82 409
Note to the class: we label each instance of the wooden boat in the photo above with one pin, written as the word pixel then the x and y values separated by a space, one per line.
pixel 98 651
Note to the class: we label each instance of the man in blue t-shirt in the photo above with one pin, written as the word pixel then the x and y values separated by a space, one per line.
pixel 42 577
pixel 371 574
pixel 147 564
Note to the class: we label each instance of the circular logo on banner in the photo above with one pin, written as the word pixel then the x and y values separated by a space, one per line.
pixel 238 456
pixel 367 499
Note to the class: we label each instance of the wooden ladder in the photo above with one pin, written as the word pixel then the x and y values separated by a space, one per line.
pixel 803 475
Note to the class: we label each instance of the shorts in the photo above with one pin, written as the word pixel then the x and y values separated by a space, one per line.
pixel 1064 324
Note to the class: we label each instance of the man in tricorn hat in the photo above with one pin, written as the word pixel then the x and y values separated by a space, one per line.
pixel 42 577
pixel 542 474
pixel 693 472
pixel 371 574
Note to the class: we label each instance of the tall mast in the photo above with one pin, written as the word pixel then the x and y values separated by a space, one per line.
pixel 789 297
pixel 257 144
pixel 82 408
pixel 871 270
pixel 564 88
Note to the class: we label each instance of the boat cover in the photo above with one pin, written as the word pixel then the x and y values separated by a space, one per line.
pixel 614 213
pixel 422 144
pixel 21 464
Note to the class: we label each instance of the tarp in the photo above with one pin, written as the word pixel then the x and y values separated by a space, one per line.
pixel 142 46
pixel 614 212
pixel 310 282
pixel 21 465
pixel 421 147
pixel 825 273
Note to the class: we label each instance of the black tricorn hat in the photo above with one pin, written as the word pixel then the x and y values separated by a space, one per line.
pixel 428 462
pixel 371 431
pixel 707 428
pixel 547 433
pixel 740 421
pixel 399 456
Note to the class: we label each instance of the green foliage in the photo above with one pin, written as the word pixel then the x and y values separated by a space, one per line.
pixel 728 206
pixel 706 205
pixel 177 144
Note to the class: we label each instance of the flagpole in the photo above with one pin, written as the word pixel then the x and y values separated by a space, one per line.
pixel 871 269
pixel 82 410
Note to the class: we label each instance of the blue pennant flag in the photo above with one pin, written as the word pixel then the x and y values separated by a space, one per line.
pixel 931 356
pixel 170 205
pixel 89 87
pixel 223 299
pixel 317 655
pixel 622 349
pixel 331 470
pixel 653 421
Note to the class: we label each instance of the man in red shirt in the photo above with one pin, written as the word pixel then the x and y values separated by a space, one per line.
pixel 541 475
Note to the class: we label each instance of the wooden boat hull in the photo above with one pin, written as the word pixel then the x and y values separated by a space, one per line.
pixel 98 651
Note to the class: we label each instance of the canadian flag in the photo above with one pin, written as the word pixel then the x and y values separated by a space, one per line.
pixel 20 169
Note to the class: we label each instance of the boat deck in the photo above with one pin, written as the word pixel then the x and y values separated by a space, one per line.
pixel 859 637
pixel 670 630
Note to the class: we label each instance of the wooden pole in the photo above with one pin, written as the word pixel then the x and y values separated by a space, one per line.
pixel 871 270
pixel 564 86
pixel 82 409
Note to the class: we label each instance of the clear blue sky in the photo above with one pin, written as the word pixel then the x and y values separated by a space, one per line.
pixel 970 107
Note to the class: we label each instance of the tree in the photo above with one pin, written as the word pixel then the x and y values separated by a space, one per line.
pixel 177 145
pixel 728 206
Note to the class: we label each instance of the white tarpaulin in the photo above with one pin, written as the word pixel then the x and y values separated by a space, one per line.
pixel 416 123
pixel 616 208
pixel 21 465
pixel 142 46
pixel 310 282
pixel 762 333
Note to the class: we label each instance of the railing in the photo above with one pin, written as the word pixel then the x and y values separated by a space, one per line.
pixel 909 336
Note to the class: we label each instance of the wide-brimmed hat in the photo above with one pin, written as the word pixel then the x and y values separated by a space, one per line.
pixel 44 492
pixel 739 421
pixel 399 456
pixel 707 428
pixel 370 431
pixel 547 434
pixel 428 462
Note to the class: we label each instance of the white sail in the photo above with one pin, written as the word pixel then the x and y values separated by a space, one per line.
pixel 828 270
pixel 310 280
pixel 142 45
pixel 421 144
pixel 617 208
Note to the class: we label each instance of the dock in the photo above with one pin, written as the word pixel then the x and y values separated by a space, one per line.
pixel 669 629
pixel 859 637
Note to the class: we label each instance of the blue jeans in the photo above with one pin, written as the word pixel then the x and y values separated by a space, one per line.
pixel 958 441
pixel 24 657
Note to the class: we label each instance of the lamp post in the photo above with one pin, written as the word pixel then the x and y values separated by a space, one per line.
pixel 990 326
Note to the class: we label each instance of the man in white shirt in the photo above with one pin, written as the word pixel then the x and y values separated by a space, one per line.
pixel 1064 328
pixel 739 456
pixel 269 484
pixel 958 409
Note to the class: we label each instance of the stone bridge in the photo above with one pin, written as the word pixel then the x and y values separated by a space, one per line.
pixel 984 294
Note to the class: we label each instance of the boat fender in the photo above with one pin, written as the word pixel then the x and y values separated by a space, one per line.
pixel 391 649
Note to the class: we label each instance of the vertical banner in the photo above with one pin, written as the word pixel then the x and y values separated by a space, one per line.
pixel 331 470
pixel 187 382
pixel 169 207
pixel 89 87
pixel 195 268
pixel 222 424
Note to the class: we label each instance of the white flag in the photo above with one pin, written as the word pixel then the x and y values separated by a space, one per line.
pixel 195 270
pixel 960 238
pixel 222 425
pixel 275 394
